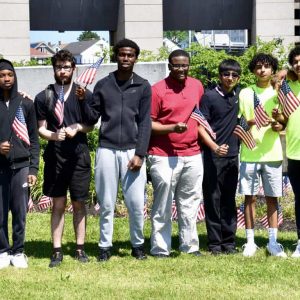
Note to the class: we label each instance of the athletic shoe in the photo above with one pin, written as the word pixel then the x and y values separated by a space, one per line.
pixel 138 252
pixel 56 259
pixel 104 254
pixel 160 255
pixel 296 253
pixel 196 253
pixel 4 260
pixel 19 260
pixel 249 249
pixel 276 249
pixel 81 256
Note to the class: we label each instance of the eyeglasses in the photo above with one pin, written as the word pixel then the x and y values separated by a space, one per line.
pixel 178 66
pixel 232 74
pixel 65 68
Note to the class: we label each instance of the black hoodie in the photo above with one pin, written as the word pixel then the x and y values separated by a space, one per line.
pixel 20 155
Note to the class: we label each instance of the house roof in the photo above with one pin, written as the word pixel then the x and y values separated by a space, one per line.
pixel 77 48
pixel 34 53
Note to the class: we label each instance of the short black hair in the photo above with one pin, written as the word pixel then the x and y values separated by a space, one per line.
pixel 230 65
pixel 263 58
pixel 126 43
pixel 178 52
pixel 63 55
pixel 293 53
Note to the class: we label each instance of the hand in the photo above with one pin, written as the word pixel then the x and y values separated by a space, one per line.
pixel 31 179
pixel 80 92
pixel 180 127
pixel 25 95
pixel 60 134
pixel 72 130
pixel 222 150
pixel 4 147
pixel 276 126
pixel 135 163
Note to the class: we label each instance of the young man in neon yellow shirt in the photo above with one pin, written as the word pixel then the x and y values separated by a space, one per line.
pixel 265 160
pixel 293 140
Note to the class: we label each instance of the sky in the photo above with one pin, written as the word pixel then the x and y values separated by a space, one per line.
pixel 65 37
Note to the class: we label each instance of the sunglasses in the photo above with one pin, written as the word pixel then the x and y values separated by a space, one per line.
pixel 232 74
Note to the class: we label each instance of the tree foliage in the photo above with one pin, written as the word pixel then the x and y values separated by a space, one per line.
pixel 176 36
pixel 88 35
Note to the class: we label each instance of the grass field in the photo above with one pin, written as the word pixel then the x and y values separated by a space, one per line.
pixel 123 277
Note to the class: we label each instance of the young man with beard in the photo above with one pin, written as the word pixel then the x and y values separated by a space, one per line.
pixel 265 160
pixel 122 100
pixel 220 108
pixel 61 121
pixel 19 158
pixel 175 160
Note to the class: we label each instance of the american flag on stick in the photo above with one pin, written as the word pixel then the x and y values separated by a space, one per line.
pixel 199 117
pixel 19 126
pixel 240 213
pixel 44 203
pixel 264 220
pixel 59 106
pixel 242 130
pixel 88 76
pixel 287 99
pixel 286 185
pixel 30 206
pixel 201 212
pixel 174 210
pixel 261 117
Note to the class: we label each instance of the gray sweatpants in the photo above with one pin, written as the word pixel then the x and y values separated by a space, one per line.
pixel 110 168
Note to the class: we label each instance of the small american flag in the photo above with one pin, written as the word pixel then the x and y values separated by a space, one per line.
pixel 201 212
pixel 19 126
pixel 264 220
pixel 70 208
pixel 30 207
pixel 44 203
pixel 261 117
pixel 287 99
pixel 286 185
pixel 198 116
pixel 88 76
pixel 97 208
pixel 242 130
pixel 174 210
pixel 240 214
pixel 59 106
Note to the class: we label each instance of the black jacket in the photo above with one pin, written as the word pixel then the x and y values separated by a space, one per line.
pixel 125 115
pixel 20 155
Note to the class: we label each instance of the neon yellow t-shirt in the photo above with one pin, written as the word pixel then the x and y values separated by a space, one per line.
pixel 268 146
pixel 293 127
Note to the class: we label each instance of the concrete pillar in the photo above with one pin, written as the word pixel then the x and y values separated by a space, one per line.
pixel 14 30
pixel 274 19
pixel 141 21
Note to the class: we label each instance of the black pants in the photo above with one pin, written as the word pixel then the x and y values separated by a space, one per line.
pixel 219 188
pixel 294 176
pixel 13 197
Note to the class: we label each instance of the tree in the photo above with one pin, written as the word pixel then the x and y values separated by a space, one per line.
pixel 88 35
pixel 176 36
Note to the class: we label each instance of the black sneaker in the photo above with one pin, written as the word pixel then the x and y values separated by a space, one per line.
pixel 159 255
pixel 215 252
pixel 56 259
pixel 138 252
pixel 231 251
pixel 81 256
pixel 104 254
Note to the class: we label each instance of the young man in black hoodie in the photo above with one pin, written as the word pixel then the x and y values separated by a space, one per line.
pixel 122 100
pixel 19 159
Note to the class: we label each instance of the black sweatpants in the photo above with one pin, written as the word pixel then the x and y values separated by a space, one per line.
pixel 294 176
pixel 219 189
pixel 13 197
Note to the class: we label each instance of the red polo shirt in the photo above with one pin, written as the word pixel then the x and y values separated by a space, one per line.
pixel 173 103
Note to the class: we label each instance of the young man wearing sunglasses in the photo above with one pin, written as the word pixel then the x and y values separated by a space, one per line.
pixel 264 162
pixel 220 108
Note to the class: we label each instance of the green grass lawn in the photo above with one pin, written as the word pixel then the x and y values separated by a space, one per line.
pixel 123 277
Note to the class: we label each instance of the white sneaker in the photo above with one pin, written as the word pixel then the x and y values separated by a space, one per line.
pixel 249 249
pixel 296 253
pixel 276 249
pixel 19 260
pixel 4 260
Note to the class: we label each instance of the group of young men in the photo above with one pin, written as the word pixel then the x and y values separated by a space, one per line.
pixel 162 122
